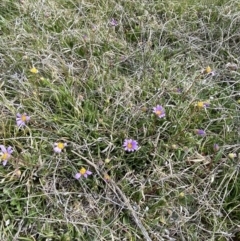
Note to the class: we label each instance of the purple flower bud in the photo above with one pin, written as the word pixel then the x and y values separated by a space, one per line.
pixel 216 147
pixel 200 132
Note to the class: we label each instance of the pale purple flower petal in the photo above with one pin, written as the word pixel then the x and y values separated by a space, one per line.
pixel 3 148
pixel 88 172
pixel 20 123
pixel 78 175
pixel 4 163
pixel 213 73
pixel 57 149
pixel 9 150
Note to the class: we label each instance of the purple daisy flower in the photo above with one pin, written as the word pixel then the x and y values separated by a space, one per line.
pixel 83 172
pixel 130 145
pixel 200 132
pixel 5 154
pixel 59 146
pixel 159 111
pixel 22 119
pixel 113 22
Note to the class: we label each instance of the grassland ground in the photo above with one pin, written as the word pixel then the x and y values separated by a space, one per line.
pixel 89 74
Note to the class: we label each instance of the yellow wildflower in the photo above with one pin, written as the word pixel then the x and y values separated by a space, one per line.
pixel 34 70
pixel 181 195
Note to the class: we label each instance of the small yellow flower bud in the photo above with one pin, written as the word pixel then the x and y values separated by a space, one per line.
pixel 18 173
pixel 34 70
pixel 106 177
pixel 232 155
pixel 174 146
pixel 181 195
pixel 107 160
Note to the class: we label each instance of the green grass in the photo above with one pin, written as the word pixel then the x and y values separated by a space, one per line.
pixel 97 85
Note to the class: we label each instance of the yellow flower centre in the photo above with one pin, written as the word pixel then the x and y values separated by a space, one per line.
pixel 158 112
pixel 60 145
pixel 208 70
pixel 200 104
pixel 24 118
pixel 129 145
pixel 82 171
pixel 5 156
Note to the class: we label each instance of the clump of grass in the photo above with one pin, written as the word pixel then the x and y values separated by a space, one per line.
pixel 90 76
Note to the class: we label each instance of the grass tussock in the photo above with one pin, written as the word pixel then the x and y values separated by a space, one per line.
pixel 88 74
